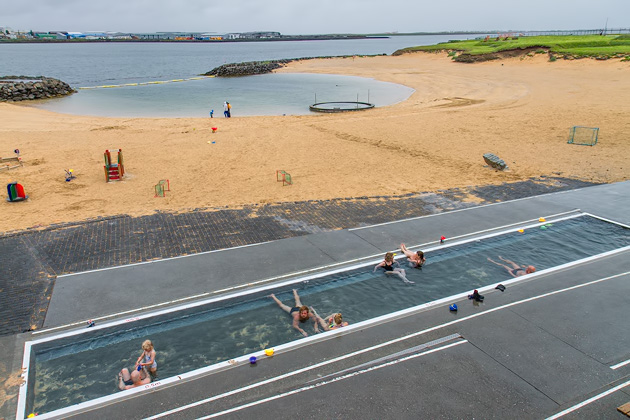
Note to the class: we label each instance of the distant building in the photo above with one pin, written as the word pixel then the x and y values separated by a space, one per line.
pixel 209 37
pixel 260 35
pixel 252 35
pixel 7 33
pixel 117 35
pixel 75 35
pixel 39 35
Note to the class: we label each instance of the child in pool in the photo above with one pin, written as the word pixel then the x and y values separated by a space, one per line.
pixel 331 322
pixel 335 321
pixel 388 266
pixel 148 354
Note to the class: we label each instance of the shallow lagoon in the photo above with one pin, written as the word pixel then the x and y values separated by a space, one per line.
pixel 269 94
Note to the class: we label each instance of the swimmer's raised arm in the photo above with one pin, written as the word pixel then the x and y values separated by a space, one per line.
pixel 315 318
pixel 296 325
pixel 381 264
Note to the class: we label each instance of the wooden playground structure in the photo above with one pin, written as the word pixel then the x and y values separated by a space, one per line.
pixel 113 171
pixel 283 176
pixel 8 163
pixel 161 187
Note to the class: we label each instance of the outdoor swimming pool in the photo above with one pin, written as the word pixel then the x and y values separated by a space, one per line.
pixel 83 366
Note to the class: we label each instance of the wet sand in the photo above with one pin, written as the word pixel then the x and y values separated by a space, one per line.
pixel 518 109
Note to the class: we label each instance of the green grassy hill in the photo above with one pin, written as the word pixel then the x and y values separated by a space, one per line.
pixel 560 46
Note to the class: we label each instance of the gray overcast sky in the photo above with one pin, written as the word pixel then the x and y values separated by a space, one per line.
pixel 312 17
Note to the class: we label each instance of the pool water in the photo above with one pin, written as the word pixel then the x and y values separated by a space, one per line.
pixel 86 367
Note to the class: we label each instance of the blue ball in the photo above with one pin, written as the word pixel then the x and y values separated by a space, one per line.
pixel 453 307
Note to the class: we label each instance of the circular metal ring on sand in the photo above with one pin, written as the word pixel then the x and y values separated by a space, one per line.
pixel 340 106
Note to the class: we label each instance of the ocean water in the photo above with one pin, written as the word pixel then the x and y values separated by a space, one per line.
pixel 97 64
pixel 93 64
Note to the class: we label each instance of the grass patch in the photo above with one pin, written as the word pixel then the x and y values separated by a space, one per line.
pixel 562 45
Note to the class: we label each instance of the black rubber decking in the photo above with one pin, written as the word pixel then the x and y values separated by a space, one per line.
pixel 30 260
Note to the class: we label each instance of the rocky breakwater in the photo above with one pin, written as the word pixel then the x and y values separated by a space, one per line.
pixel 261 67
pixel 246 69
pixel 25 88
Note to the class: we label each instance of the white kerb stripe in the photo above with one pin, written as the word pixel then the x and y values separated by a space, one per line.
pixel 587 402
pixel 340 378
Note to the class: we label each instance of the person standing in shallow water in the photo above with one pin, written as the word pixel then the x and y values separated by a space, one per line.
pixel 147 357
pixel 300 313
pixel 229 110
pixel 225 109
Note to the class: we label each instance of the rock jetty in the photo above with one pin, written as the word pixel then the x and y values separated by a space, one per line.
pixel 261 67
pixel 246 69
pixel 25 88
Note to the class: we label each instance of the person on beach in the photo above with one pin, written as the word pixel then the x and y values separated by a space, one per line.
pixel 225 109
pixel 388 265
pixel 136 378
pixel 212 113
pixel 514 269
pixel 300 313
pixel 148 354
pixel 229 110
pixel 415 259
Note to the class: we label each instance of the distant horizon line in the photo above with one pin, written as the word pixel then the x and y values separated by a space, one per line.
pixel 390 33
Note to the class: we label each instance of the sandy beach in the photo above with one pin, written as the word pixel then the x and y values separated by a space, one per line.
pixel 519 109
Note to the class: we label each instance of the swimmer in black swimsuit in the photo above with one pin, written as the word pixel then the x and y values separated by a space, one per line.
pixel 515 270
pixel 388 266
pixel 300 313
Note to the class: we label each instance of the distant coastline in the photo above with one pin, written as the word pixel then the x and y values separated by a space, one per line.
pixel 214 41
pixel 160 37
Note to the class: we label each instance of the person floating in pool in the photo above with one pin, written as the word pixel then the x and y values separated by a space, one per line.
pixel 148 354
pixel 300 313
pixel 514 269
pixel 388 266
pixel 415 259
pixel 136 378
